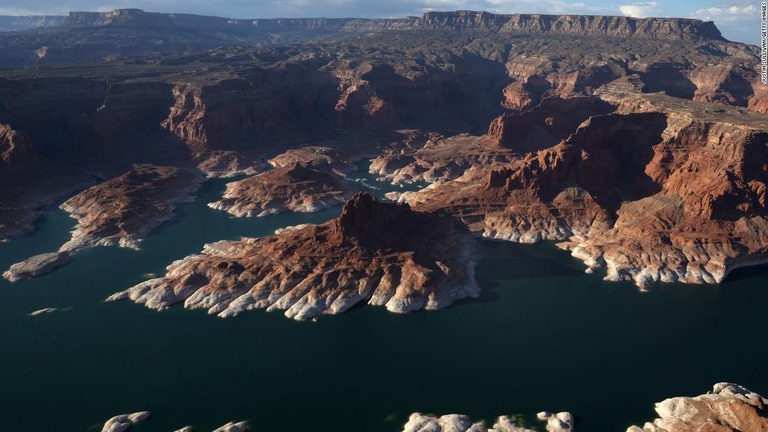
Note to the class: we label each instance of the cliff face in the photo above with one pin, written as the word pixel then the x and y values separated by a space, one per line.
pixel 672 28
pixel 545 125
pixel 662 190
pixel 618 26
pixel 16 151
pixel 364 255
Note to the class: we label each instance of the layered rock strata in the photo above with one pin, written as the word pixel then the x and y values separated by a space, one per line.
pixel 383 254
pixel 118 212
pixel 295 188
pixel 662 190
pixel 727 408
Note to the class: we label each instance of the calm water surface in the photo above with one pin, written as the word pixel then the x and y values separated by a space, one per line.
pixel 544 336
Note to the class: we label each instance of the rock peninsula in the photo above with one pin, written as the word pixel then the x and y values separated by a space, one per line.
pixel 379 253
pixel 118 212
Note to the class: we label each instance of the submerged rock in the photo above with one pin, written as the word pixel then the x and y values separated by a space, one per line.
pixel 124 422
pixel 383 254
pixel 233 427
pixel 43 311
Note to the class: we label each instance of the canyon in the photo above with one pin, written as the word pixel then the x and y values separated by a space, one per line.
pixel 640 146
pixel 659 208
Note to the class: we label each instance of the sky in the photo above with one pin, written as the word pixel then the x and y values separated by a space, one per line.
pixel 738 20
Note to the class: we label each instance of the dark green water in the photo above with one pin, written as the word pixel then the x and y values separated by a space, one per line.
pixel 543 337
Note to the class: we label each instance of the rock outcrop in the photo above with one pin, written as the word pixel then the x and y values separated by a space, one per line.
pixel 662 190
pixel 417 422
pixel 727 408
pixel 233 427
pixel 123 210
pixel 383 254
pixel 296 188
pixel 124 422
pixel 560 422
pixel 118 212
pixel 440 159
pixel 553 120
pixel 37 265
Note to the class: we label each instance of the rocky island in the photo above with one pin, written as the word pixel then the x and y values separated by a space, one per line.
pixel 380 253
pixel 294 188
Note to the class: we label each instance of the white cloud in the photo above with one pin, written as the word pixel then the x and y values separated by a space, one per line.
pixel 727 13
pixel 640 10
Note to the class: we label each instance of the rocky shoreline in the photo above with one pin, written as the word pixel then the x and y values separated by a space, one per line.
pixel 118 212
pixel 683 200
pixel 726 408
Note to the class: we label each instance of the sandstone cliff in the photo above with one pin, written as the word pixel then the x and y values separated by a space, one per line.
pixel 618 26
pixel 662 190
pixel 16 151
pixel 383 254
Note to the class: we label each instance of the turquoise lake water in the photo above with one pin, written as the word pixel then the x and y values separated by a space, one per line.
pixel 544 336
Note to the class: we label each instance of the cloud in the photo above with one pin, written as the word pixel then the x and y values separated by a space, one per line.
pixel 640 10
pixel 728 13
pixel 737 20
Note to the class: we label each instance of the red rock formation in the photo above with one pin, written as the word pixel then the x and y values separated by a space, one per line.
pixel 723 84
pixel 670 191
pixel 544 126
pixel 295 188
pixel 385 254
pixel 121 211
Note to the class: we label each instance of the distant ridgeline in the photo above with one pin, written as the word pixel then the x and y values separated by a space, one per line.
pixel 620 26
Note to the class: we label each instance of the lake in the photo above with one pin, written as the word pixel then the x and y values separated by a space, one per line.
pixel 544 336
